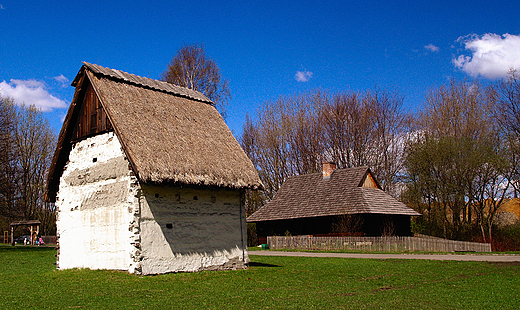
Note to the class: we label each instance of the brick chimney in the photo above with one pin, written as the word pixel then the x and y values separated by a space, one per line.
pixel 328 168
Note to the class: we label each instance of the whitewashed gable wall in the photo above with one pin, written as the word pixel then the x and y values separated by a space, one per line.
pixel 97 204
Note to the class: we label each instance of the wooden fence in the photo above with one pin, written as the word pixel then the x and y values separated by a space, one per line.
pixel 375 244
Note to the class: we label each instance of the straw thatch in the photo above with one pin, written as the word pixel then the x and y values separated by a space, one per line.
pixel 131 79
pixel 169 133
pixel 311 195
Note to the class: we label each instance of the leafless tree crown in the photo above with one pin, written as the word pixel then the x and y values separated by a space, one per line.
pixel 191 68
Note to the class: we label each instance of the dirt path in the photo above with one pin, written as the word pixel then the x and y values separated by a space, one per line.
pixel 455 257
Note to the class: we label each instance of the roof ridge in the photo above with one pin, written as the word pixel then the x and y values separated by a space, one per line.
pixel 147 82
pixel 303 175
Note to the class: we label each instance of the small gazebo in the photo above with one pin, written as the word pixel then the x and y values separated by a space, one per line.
pixel 34 226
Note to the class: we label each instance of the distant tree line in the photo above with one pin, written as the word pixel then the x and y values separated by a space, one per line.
pixel 27 144
pixel 455 161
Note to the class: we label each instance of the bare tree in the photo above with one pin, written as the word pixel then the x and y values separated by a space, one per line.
pixel 366 129
pixel 305 132
pixel 391 134
pixel 266 141
pixel 191 68
pixel 349 125
pixel 8 171
pixel 507 95
pixel 26 147
pixel 34 141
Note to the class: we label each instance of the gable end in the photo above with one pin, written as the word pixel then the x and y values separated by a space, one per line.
pixel 92 118
pixel 86 117
pixel 369 181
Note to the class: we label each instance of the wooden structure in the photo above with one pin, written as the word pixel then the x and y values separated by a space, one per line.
pixel 147 178
pixel 375 244
pixel 333 201
pixel 34 227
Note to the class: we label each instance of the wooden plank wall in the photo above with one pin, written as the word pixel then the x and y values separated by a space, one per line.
pixel 92 118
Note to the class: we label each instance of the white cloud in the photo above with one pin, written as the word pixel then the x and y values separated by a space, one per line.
pixel 61 79
pixel 2 7
pixel 31 92
pixel 432 48
pixel 303 76
pixel 492 55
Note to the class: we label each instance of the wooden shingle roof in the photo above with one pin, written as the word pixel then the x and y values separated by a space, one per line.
pixel 168 133
pixel 311 195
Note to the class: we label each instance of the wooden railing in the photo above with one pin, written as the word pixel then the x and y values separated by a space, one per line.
pixel 375 244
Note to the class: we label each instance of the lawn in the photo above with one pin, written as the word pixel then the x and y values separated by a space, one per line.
pixel 29 280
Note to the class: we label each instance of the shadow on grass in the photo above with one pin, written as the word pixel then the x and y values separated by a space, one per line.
pixel 255 264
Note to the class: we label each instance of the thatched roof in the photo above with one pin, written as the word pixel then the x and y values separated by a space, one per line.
pixel 141 82
pixel 311 195
pixel 168 133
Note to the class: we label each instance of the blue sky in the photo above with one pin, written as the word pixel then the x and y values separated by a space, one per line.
pixel 265 49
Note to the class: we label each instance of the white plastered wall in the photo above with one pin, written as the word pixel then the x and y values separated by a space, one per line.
pixel 107 220
pixel 96 207
pixel 190 229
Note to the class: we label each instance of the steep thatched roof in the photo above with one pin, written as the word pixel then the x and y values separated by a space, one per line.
pixel 311 195
pixel 169 133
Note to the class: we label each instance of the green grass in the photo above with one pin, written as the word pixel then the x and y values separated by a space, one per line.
pixel 28 279
pixel 386 252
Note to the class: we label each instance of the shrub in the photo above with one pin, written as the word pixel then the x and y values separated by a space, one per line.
pixel 506 238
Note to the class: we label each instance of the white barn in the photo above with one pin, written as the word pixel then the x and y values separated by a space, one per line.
pixel 147 178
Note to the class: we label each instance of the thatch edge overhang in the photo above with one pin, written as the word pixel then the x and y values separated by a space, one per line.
pixel 205 181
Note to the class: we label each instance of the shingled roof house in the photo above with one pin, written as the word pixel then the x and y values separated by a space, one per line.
pixel 147 178
pixel 315 203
